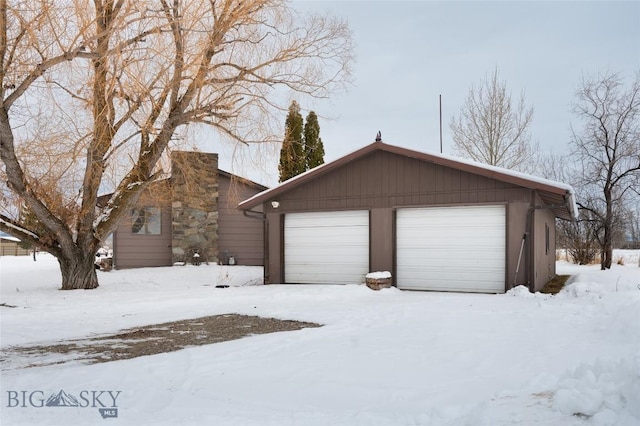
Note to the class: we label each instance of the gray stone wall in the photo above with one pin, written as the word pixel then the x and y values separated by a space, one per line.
pixel 194 206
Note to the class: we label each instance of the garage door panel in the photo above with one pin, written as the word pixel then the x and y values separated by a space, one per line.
pixel 460 275
pixel 316 270
pixel 419 253
pixel 327 247
pixel 314 220
pixel 451 248
pixel 310 230
pixel 479 265
pixel 328 261
pixel 319 255
pixel 310 240
pixel 319 277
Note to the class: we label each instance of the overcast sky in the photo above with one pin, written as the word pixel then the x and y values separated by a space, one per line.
pixel 409 53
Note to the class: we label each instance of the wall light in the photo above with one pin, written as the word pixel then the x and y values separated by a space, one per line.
pixel 275 204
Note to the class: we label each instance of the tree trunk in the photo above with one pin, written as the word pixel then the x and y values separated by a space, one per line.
pixel 607 243
pixel 78 272
pixel 607 249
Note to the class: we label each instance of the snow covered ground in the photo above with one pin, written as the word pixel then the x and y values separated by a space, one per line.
pixel 381 358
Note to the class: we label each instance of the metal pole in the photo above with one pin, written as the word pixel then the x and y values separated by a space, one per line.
pixel 515 279
pixel 440 124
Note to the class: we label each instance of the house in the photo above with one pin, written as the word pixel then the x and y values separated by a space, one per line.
pixel 191 217
pixel 10 246
pixel 435 222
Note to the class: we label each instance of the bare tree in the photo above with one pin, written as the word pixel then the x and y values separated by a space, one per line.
pixel 633 226
pixel 579 236
pixel 93 87
pixel 491 129
pixel 608 148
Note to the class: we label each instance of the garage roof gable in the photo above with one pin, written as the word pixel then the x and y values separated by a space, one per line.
pixel 560 195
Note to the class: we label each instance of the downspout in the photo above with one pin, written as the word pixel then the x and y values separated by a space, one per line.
pixel 252 214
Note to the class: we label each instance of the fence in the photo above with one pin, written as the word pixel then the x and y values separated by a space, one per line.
pixel 11 248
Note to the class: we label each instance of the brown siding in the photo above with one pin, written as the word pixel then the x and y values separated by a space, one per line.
pixel 381 221
pixel 138 251
pixel 544 260
pixel 516 228
pixel 238 236
pixel 275 272
pixel 384 180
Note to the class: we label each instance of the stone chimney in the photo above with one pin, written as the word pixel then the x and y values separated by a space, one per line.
pixel 194 206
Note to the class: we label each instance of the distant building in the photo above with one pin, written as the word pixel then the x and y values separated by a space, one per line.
pixel 10 246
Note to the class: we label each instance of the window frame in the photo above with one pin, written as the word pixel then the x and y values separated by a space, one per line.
pixel 151 219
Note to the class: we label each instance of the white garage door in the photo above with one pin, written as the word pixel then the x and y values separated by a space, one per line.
pixel 326 247
pixel 451 248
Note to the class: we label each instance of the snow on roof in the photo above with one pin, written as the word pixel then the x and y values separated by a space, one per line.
pixel 18 228
pixel 571 202
pixel 535 179
pixel 5 236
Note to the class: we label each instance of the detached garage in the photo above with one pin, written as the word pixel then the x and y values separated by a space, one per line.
pixel 436 222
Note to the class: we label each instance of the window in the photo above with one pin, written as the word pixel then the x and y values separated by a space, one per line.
pixel 546 239
pixel 146 220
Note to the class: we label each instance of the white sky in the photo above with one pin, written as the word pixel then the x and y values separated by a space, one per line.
pixel 409 53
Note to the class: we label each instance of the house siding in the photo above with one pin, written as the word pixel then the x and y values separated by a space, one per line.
pixel 382 221
pixel 544 260
pixel 382 182
pixel 238 236
pixel 138 251
pixel 221 228
pixel 516 229
pixel 274 272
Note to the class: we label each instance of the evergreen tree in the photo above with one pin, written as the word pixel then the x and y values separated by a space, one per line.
pixel 313 147
pixel 292 161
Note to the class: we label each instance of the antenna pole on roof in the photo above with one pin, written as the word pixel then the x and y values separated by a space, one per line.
pixel 379 137
pixel 440 124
